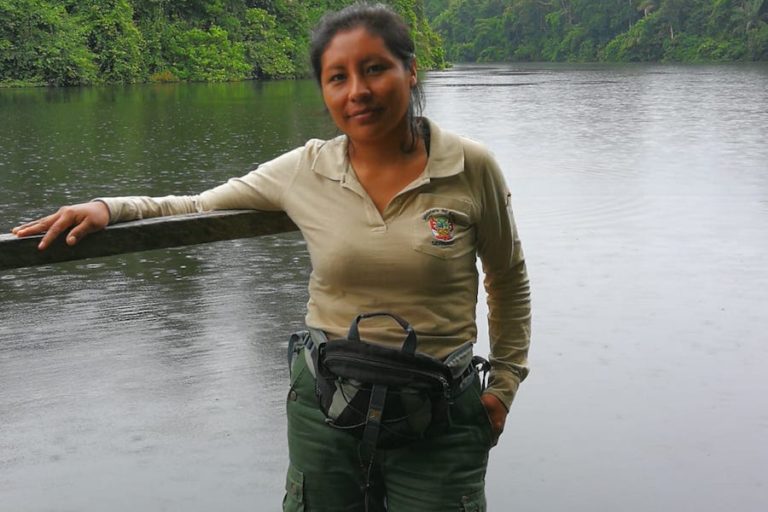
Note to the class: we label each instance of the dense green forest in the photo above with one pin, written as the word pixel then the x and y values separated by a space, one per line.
pixel 601 30
pixel 72 42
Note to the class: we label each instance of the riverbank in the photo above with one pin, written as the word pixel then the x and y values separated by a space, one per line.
pixel 80 42
pixel 665 31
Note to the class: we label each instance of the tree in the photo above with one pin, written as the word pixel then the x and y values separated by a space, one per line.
pixel 269 49
pixel 41 43
pixel 207 55
pixel 112 37
pixel 634 30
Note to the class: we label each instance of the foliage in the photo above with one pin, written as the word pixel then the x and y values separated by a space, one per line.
pixel 757 43
pixel 163 77
pixel 639 43
pixel 589 30
pixel 74 42
pixel 112 37
pixel 206 55
pixel 41 42
pixel 268 46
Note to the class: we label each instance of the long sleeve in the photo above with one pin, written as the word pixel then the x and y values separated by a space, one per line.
pixel 261 189
pixel 507 286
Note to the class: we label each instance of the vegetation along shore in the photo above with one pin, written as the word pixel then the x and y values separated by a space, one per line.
pixel 81 42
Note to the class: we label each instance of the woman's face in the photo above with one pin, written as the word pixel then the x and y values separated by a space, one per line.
pixel 365 87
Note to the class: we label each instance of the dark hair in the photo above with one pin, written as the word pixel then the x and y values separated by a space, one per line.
pixel 381 21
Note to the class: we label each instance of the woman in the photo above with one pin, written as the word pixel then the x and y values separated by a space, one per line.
pixel 394 213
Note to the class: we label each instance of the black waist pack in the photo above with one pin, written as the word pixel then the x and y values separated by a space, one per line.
pixel 387 397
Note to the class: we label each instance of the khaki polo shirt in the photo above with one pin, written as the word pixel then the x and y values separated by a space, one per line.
pixel 416 259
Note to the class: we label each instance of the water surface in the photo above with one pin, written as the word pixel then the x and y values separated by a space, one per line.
pixel 156 381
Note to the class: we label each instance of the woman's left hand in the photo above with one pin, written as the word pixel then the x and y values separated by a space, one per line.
pixel 497 413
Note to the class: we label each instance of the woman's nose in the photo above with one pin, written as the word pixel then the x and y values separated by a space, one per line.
pixel 359 88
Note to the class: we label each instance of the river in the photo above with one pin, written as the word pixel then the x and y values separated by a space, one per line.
pixel 156 381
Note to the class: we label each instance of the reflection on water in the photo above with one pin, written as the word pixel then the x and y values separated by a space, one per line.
pixel 156 380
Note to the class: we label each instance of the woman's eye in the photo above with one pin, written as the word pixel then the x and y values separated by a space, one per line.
pixel 375 68
pixel 336 78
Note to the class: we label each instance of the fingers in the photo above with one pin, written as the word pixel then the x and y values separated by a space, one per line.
pixel 80 231
pixel 83 218
pixel 52 225
pixel 34 227
pixel 62 220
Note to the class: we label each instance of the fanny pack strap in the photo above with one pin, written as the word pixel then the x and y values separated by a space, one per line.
pixel 295 343
pixel 374 417
pixel 317 338
pixel 309 340
pixel 483 367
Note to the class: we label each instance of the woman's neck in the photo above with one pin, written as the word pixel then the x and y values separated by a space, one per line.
pixel 384 170
pixel 400 146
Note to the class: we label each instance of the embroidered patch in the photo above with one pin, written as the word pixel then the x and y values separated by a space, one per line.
pixel 442 226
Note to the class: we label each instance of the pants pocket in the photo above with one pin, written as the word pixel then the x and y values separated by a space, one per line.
pixel 474 502
pixel 494 437
pixel 302 382
pixel 483 417
pixel 294 491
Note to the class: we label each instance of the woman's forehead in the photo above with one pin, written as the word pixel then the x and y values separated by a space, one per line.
pixel 354 43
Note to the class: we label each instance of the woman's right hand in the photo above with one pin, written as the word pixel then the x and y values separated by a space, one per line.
pixel 83 218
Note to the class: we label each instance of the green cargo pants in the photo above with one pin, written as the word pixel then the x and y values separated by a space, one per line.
pixel 440 474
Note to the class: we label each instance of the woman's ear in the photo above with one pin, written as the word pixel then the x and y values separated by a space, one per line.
pixel 414 75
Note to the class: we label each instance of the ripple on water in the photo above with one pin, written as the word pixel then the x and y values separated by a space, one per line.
pixel 487 84
pixel 588 212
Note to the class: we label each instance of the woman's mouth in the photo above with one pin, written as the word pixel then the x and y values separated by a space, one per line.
pixel 363 115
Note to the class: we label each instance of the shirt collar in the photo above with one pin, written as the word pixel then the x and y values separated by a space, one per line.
pixel 446 155
pixel 331 158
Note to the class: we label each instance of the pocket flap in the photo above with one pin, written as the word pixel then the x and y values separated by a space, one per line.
pixel 474 502
pixel 294 484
